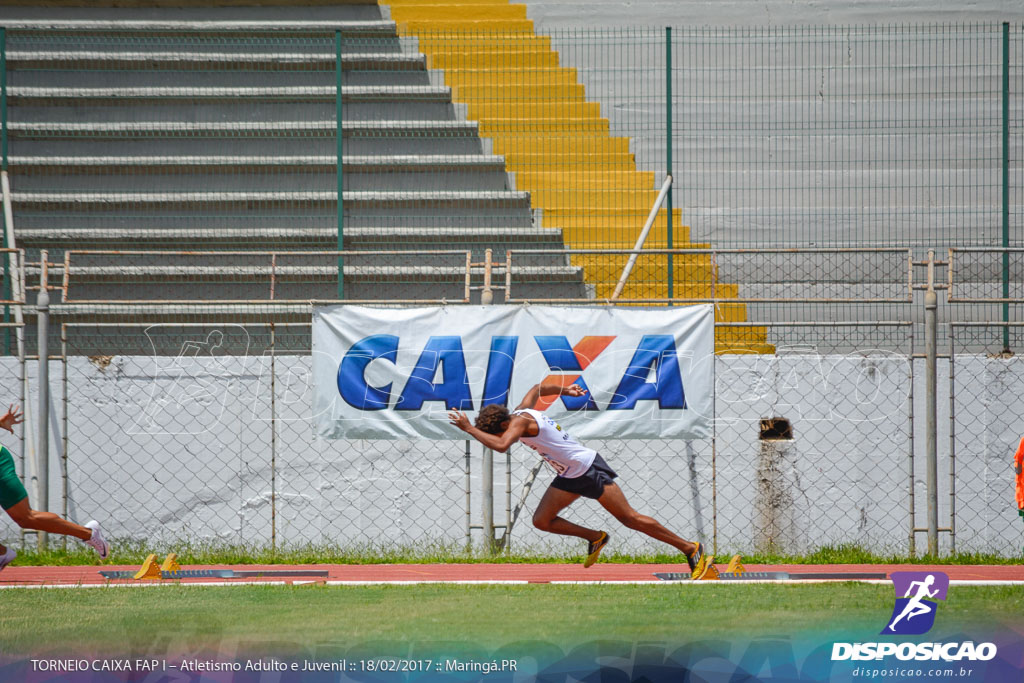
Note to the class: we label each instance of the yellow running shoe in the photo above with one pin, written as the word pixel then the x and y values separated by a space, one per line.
pixel 698 562
pixel 594 549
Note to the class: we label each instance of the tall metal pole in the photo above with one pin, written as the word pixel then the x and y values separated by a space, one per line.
pixel 341 202
pixel 1006 185
pixel 43 416
pixel 668 158
pixel 3 167
pixel 931 428
pixel 487 470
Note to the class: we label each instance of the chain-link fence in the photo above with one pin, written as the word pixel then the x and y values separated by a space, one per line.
pixel 200 429
pixel 985 427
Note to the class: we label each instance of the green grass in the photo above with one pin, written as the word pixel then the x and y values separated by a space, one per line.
pixel 220 553
pixel 288 620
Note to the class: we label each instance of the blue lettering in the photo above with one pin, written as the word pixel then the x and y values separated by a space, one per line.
pixel 657 351
pixel 352 372
pixel 500 364
pixel 454 386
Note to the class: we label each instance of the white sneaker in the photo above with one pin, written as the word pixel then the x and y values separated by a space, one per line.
pixel 7 558
pixel 97 541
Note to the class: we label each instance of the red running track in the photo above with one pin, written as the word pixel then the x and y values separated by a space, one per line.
pixel 531 573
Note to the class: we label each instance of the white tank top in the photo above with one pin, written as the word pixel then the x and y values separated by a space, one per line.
pixel 567 456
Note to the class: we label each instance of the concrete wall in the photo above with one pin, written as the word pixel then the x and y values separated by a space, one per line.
pixel 612 13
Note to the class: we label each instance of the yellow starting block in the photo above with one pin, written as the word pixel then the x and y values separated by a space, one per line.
pixel 736 566
pixel 734 569
pixel 150 570
pixel 171 563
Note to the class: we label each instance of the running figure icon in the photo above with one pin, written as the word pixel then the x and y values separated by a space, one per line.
pixel 916 606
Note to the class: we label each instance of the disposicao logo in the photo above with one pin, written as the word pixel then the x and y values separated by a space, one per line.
pixel 914 612
pixel 917 594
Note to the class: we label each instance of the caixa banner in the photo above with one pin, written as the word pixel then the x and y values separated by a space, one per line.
pixel 390 373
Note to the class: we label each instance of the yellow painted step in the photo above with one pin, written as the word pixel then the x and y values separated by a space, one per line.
pixel 407 3
pixel 530 161
pixel 580 176
pixel 695 269
pixel 654 290
pixel 490 59
pixel 497 127
pixel 519 92
pixel 439 41
pixel 594 199
pixel 502 77
pixel 452 26
pixel 486 111
pixel 560 144
pixel 445 12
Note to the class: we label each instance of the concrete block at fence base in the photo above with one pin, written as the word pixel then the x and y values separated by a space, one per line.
pixel 775 526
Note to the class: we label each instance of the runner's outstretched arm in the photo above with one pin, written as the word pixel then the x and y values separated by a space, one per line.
pixel 538 390
pixel 496 442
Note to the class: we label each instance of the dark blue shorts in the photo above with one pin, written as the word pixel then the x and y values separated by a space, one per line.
pixel 591 483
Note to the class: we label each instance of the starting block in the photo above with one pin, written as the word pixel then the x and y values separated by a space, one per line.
pixel 737 572
pixel 149 571
pixel 170 569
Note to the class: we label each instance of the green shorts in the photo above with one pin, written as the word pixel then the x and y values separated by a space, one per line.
pixel 12 491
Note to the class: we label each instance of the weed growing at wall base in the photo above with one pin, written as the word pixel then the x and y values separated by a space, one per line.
pixel 135 552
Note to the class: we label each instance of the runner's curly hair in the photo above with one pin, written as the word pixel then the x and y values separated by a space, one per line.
pixel 491 418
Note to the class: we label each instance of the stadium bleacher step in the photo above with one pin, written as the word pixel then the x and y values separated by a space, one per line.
pixel 283 172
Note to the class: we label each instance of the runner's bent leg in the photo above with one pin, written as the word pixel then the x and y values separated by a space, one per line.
pixel 614 501
pixel 546 516
pixel 27 518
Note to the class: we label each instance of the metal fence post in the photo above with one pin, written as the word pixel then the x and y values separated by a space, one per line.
pixel 931 425
pixel 3 167
pixel 668 159
pixel 487 469
pixel 43 416
pixel 1006 184
pixel 341 202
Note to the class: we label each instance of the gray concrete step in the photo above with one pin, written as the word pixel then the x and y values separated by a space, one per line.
pixel 226 103
pixel 262 28
pixel 167 138
pixel 240 173
pixel 414 238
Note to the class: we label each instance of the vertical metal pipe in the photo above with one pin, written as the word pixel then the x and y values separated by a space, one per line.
pixel 912 546
pixel 508 501
pixel 3 97
pixel 714 456
pixel 931 433
pixel 43 415
pixel 1006 184
pixel 487 497
pixel 273 440
pixel 668 158
pixel 3 167
pixel 952 448
pixel 64 428
pixel 487 471
pixel 339 140
pixel 469 502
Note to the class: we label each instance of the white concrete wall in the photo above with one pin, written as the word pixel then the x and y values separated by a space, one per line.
pixel 612 14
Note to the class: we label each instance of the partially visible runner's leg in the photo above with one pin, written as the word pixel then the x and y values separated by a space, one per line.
pixel 546 516
pixel 27 518
pixel 546 519
pixel 614 501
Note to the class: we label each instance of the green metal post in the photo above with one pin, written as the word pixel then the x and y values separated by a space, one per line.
pixel 668 159
pixel 3 166
pixel 1006 184
pixel 341 203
